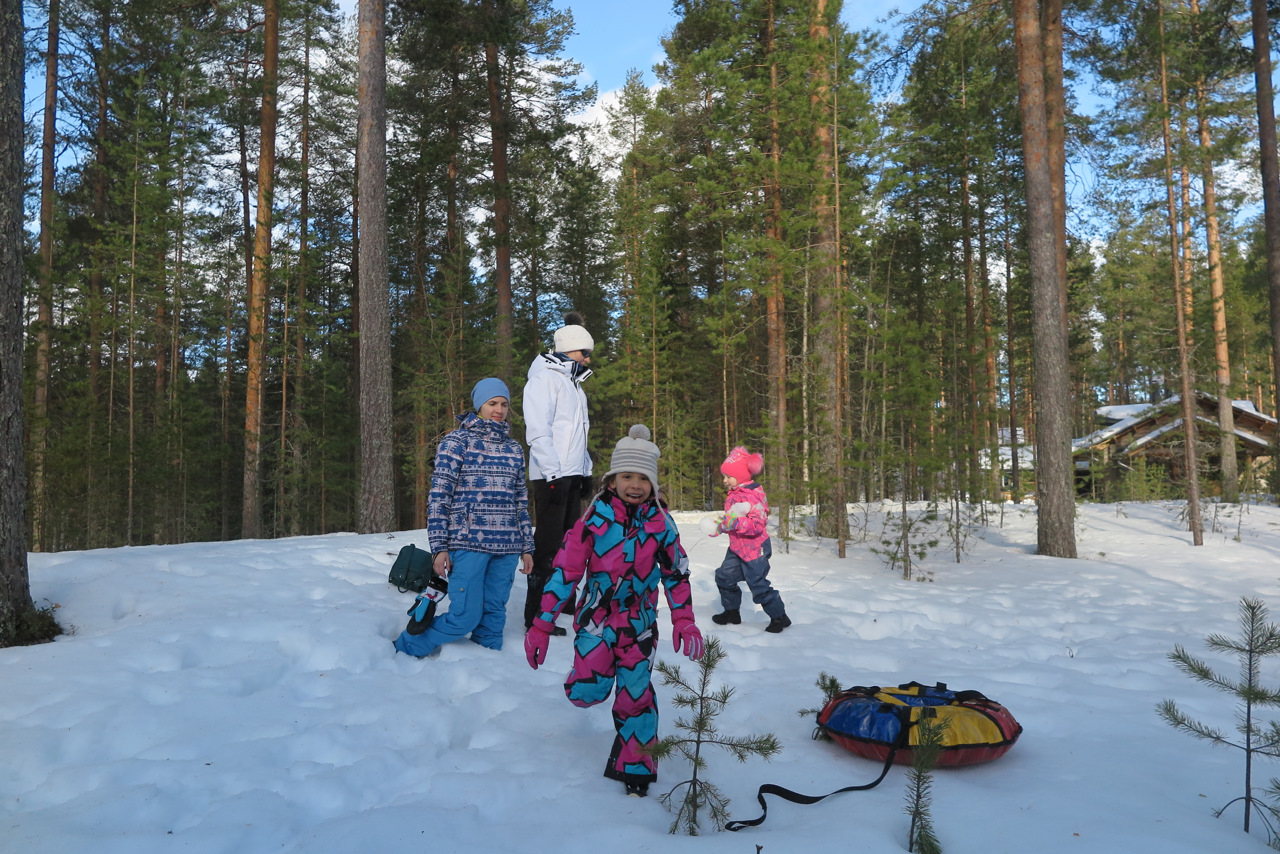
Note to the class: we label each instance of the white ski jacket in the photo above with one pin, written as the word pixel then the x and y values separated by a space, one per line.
pixel 555 418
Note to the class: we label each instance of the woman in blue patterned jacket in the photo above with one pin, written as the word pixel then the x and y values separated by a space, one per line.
pixel 478 523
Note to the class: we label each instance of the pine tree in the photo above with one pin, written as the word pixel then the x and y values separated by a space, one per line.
pixel 924 757
pixel 705 704
pixel 830 687
pixel 15 589
pixel 1258 639
pixel 377 474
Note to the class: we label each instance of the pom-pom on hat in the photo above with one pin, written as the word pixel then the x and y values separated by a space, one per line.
pixel 634 452
pixel 573 335
pixel 486 390
pixel 742 465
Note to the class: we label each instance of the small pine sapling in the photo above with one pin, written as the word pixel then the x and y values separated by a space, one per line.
pixel 692 798
pixel 906 536
pixel 924 758
pixel 1258 639
pixel 830 687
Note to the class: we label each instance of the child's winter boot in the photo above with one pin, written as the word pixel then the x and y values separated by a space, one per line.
pixel 729 616
pixel 777 624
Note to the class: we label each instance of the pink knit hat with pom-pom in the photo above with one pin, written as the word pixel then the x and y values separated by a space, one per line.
pixel 742 465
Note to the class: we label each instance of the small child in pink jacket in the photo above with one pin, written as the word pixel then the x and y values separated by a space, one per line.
pixel 746 521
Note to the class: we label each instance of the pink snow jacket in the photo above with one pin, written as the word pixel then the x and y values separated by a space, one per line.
pixel 620 555
pixel 750 532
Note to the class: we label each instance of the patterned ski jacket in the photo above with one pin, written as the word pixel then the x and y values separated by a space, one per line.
pixel 749 532
pixel 621 555
pixel 479 499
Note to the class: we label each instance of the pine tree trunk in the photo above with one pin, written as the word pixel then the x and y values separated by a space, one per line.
pixel 775 302
pixel 224 421
pixel 456 268
pixel 423 359
pixel 1184 361
pixel 991 392
pixel 43 327
pixel 295 418
pixel 1055 101
pixel 377 474
pixel 1015 477
pixel 1217 296
pixel 971 484
pixel 251 501
pixel 832 517
pixel 15 586
pixel 1055 494
pixel 130 461
pixel 1186 252
pixel 1270 177
pixel 98 183
pixel 501 203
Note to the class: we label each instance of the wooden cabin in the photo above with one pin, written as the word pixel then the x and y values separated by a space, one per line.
pixel 1153 433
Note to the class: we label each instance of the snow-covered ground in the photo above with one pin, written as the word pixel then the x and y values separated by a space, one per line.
pixel 244 697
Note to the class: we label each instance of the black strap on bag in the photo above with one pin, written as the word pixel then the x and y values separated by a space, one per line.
pixel 797 798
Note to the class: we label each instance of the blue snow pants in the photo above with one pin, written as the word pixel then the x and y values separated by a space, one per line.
pixel 734 570
pixel 479 585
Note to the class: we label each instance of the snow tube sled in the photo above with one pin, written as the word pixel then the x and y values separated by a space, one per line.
pixel 876 723
pixel 880 724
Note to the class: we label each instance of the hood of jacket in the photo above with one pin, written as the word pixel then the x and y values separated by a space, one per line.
pixel 556 419
pixel 472 421
pixel 560 364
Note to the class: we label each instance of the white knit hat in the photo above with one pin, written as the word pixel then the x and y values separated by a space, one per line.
pixel 573 337
pixel 634 452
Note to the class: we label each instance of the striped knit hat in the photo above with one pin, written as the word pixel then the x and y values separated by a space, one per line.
pixel 634 452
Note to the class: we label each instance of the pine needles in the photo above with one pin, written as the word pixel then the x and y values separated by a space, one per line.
pixel 830 687
pixel 1258 639
pixel 694 798
pixel 924 758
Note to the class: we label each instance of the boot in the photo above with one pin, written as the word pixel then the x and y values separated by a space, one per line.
pixel 777 624
pixel 730 616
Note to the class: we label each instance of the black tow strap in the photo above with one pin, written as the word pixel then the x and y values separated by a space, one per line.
pixel 797 798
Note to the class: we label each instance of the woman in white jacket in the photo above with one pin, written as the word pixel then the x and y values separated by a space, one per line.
pixel 556 428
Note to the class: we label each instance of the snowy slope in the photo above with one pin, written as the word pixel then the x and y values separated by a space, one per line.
pixel 245 697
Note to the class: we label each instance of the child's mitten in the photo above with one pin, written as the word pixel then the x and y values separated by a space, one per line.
pixel 423 610
pixel 685 633
pixel 536 641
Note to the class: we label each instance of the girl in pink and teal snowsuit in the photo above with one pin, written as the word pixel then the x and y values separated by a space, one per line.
pixel 620 551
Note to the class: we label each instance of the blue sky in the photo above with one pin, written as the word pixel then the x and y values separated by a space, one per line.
pixel 613 37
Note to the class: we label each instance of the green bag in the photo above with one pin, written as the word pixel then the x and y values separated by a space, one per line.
pixel 411 570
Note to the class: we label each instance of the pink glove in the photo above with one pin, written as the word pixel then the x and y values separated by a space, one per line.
pixel 686 633
pixel 536 641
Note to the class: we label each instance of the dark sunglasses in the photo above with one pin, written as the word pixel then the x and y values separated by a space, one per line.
pixel 586 354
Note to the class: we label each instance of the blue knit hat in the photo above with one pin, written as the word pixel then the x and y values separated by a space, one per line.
pixel 486 390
